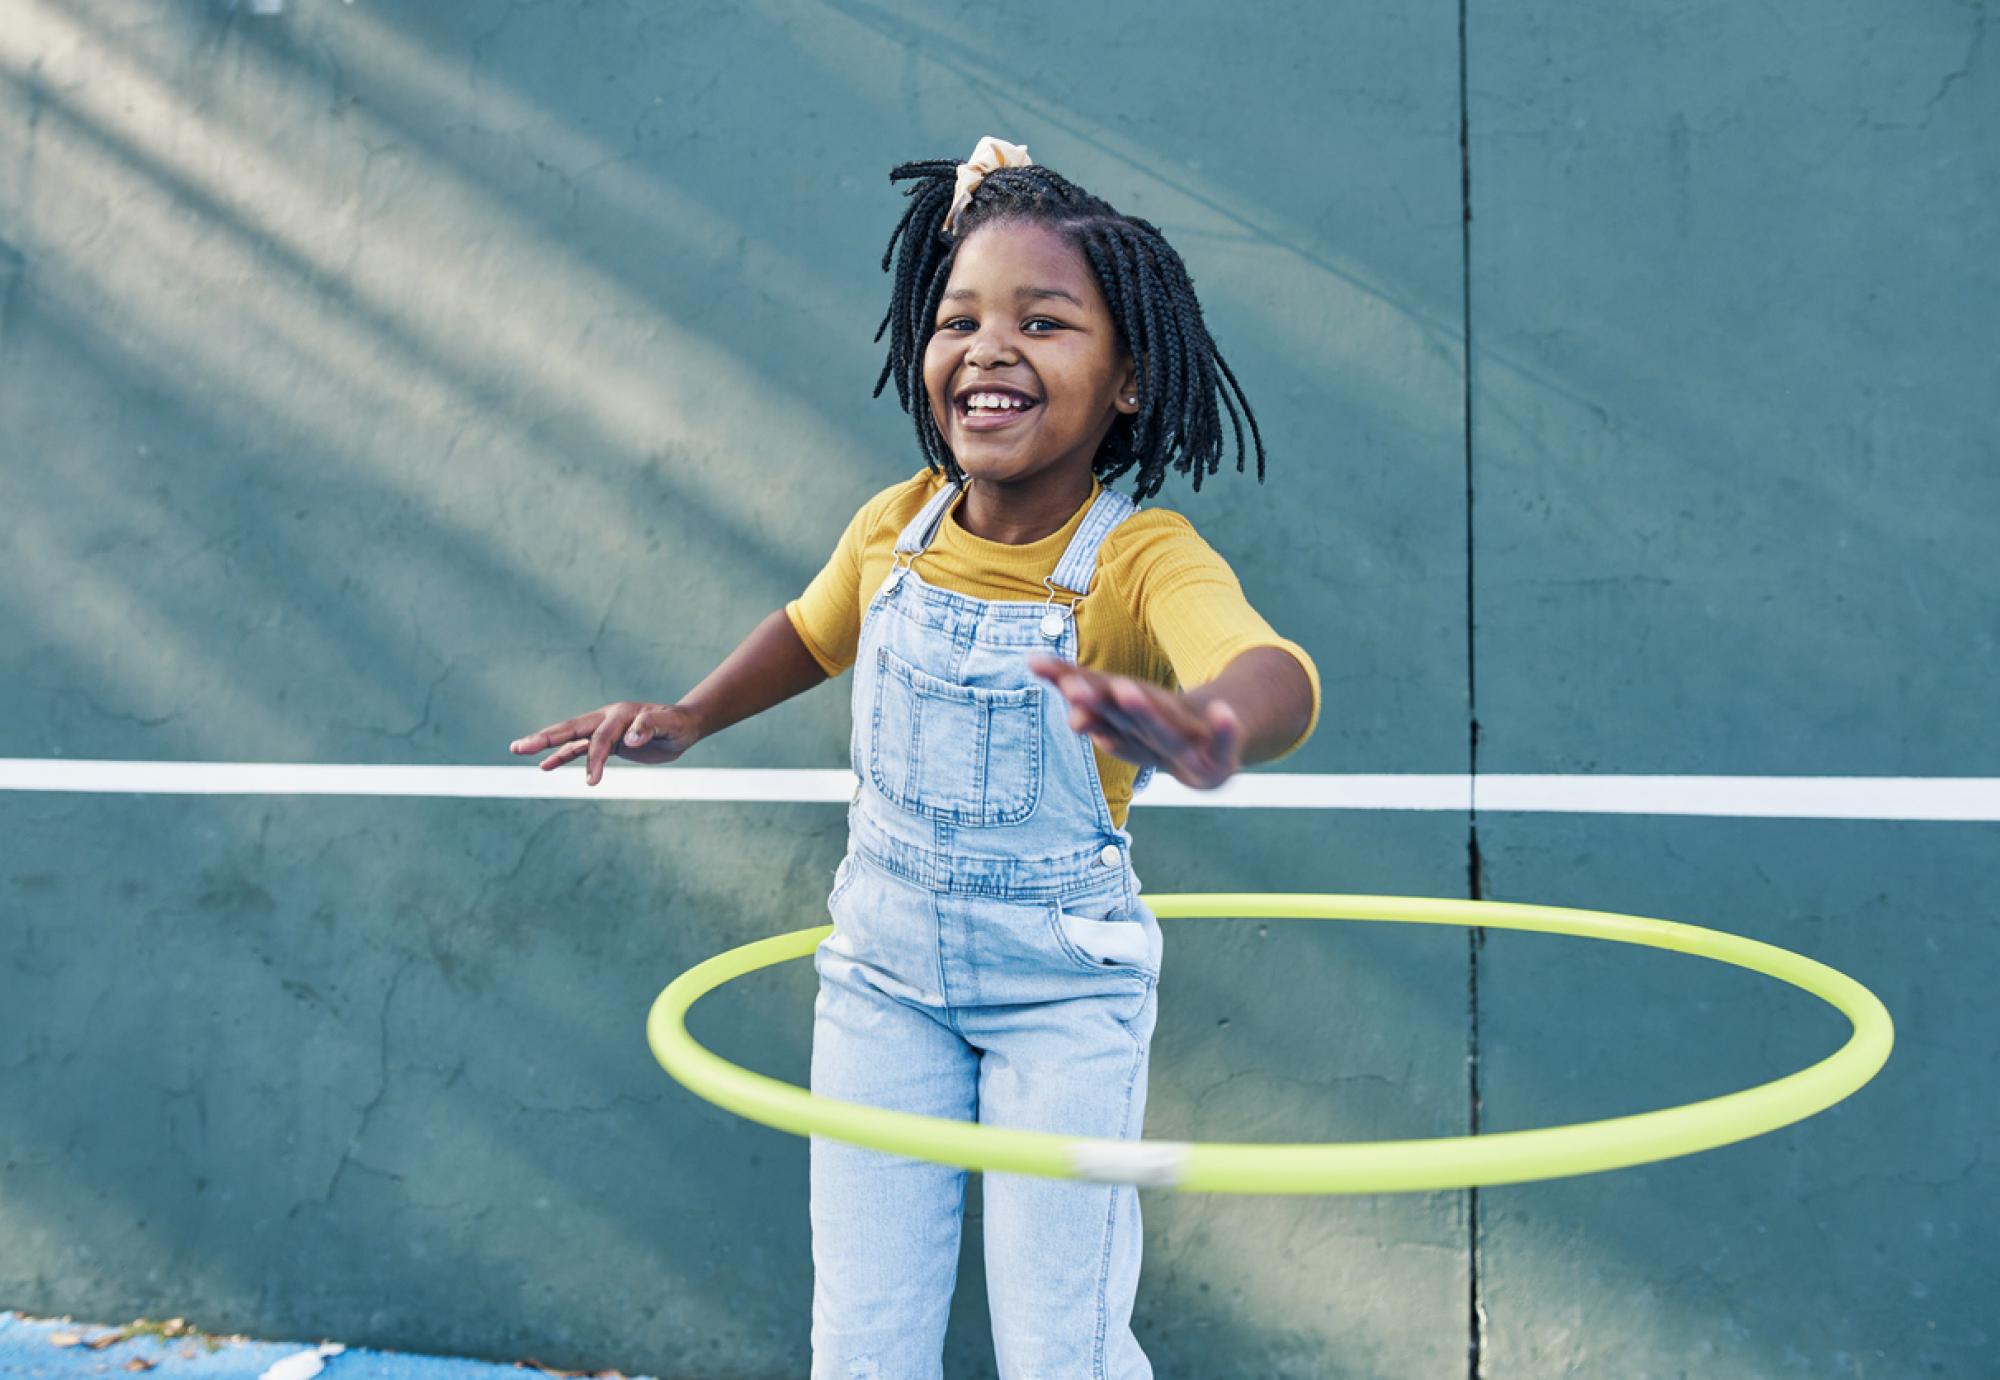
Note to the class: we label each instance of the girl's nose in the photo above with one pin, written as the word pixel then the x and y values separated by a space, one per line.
pixel 985 350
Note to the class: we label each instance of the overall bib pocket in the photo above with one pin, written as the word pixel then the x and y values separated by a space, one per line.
pixel 964 754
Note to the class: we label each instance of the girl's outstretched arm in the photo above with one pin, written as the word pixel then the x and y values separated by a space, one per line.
pixel 769 666
pixel 1254 710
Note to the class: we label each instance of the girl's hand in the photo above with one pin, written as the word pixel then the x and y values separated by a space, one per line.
pixel 649 733
pixel 1198 745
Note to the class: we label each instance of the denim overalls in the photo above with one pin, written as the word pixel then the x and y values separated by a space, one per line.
pixel 990 960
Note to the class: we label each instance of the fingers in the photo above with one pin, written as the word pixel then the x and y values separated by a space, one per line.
pixel 1119 704
pixel 1226 742
pixel 642 732
pixel 1210 753
pixel 658 733
pixel 1082 687
pixel 1105 711
pixel 1161 720
pixel 554 733
pixel 585 737
pixel 1114 741
pixel 1227 727
pixel 1094 713
pixel 1160 716
pixel 1149 724
pixel 578 747
pixel 604 740
pixel 567 752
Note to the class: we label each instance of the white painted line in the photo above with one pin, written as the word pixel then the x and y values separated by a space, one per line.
pixel 1942 798
pixel 624 781
pixel 1302 790
pixel 1965 798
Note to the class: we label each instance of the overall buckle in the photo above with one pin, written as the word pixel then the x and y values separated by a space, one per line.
pixel 1052 618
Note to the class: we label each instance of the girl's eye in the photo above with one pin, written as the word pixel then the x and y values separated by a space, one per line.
pixel 966 320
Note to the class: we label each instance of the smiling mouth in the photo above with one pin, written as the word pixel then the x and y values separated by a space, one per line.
pixel 992 418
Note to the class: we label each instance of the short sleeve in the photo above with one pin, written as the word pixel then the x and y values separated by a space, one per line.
pixel 827 616
pixel 1194 609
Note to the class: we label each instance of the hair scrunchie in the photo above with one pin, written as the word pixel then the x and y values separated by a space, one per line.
pixel 989 153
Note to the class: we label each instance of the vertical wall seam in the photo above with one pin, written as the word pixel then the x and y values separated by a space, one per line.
pixel 1475 1304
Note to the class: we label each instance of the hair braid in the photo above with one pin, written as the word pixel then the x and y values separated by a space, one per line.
pixel 1163 328
pixel 1162 380
pixel 1256 436
pixel 929 194
pixel 1128 310
pixel 1121 444
pixel 1212 364
pixel 1184 358
pixel 936 453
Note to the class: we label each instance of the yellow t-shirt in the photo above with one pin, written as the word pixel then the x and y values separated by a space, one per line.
pixel 1163 607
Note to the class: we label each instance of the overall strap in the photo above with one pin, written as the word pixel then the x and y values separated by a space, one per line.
pixel 1078 565
pixel 923 527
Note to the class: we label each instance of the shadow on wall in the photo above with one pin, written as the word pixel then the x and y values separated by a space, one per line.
pixel 477 351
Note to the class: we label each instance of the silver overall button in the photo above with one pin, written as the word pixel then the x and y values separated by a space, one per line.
pixel 1108 855
pixel 1052 625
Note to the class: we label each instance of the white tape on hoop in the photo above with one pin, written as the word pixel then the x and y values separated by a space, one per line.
pixel 1147 1163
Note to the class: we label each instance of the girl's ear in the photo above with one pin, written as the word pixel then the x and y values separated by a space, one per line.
pixel 1127 398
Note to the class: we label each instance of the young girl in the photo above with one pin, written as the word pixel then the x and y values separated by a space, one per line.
pixel 1018 632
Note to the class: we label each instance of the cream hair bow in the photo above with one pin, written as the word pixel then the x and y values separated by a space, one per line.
pixel 988 154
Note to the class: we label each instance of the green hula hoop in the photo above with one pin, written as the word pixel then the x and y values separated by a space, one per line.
pixel 1393 1166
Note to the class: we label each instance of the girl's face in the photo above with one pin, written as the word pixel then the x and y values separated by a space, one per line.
pixel 1022 316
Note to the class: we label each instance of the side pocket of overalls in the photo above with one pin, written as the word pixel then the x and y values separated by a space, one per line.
pixel 843 878
pixel 846 932
pixel 1112 941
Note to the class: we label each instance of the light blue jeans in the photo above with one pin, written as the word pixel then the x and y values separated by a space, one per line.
pixel 1038 1039
pixel 990 961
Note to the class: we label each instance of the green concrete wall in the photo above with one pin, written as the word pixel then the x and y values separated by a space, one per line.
pixel 379 382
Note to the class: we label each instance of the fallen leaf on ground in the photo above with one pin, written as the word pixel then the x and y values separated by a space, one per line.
pixel 302 1365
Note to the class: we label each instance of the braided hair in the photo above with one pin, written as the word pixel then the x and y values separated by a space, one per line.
pixel 1144 282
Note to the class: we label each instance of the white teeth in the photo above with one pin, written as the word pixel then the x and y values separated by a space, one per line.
pixel 993 401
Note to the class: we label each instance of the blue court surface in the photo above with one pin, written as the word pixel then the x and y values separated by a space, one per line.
pixel 33 1347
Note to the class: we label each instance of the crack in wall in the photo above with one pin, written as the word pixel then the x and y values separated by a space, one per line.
pixel 1475 1302
pixel 347 1155
pixel 1964 66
